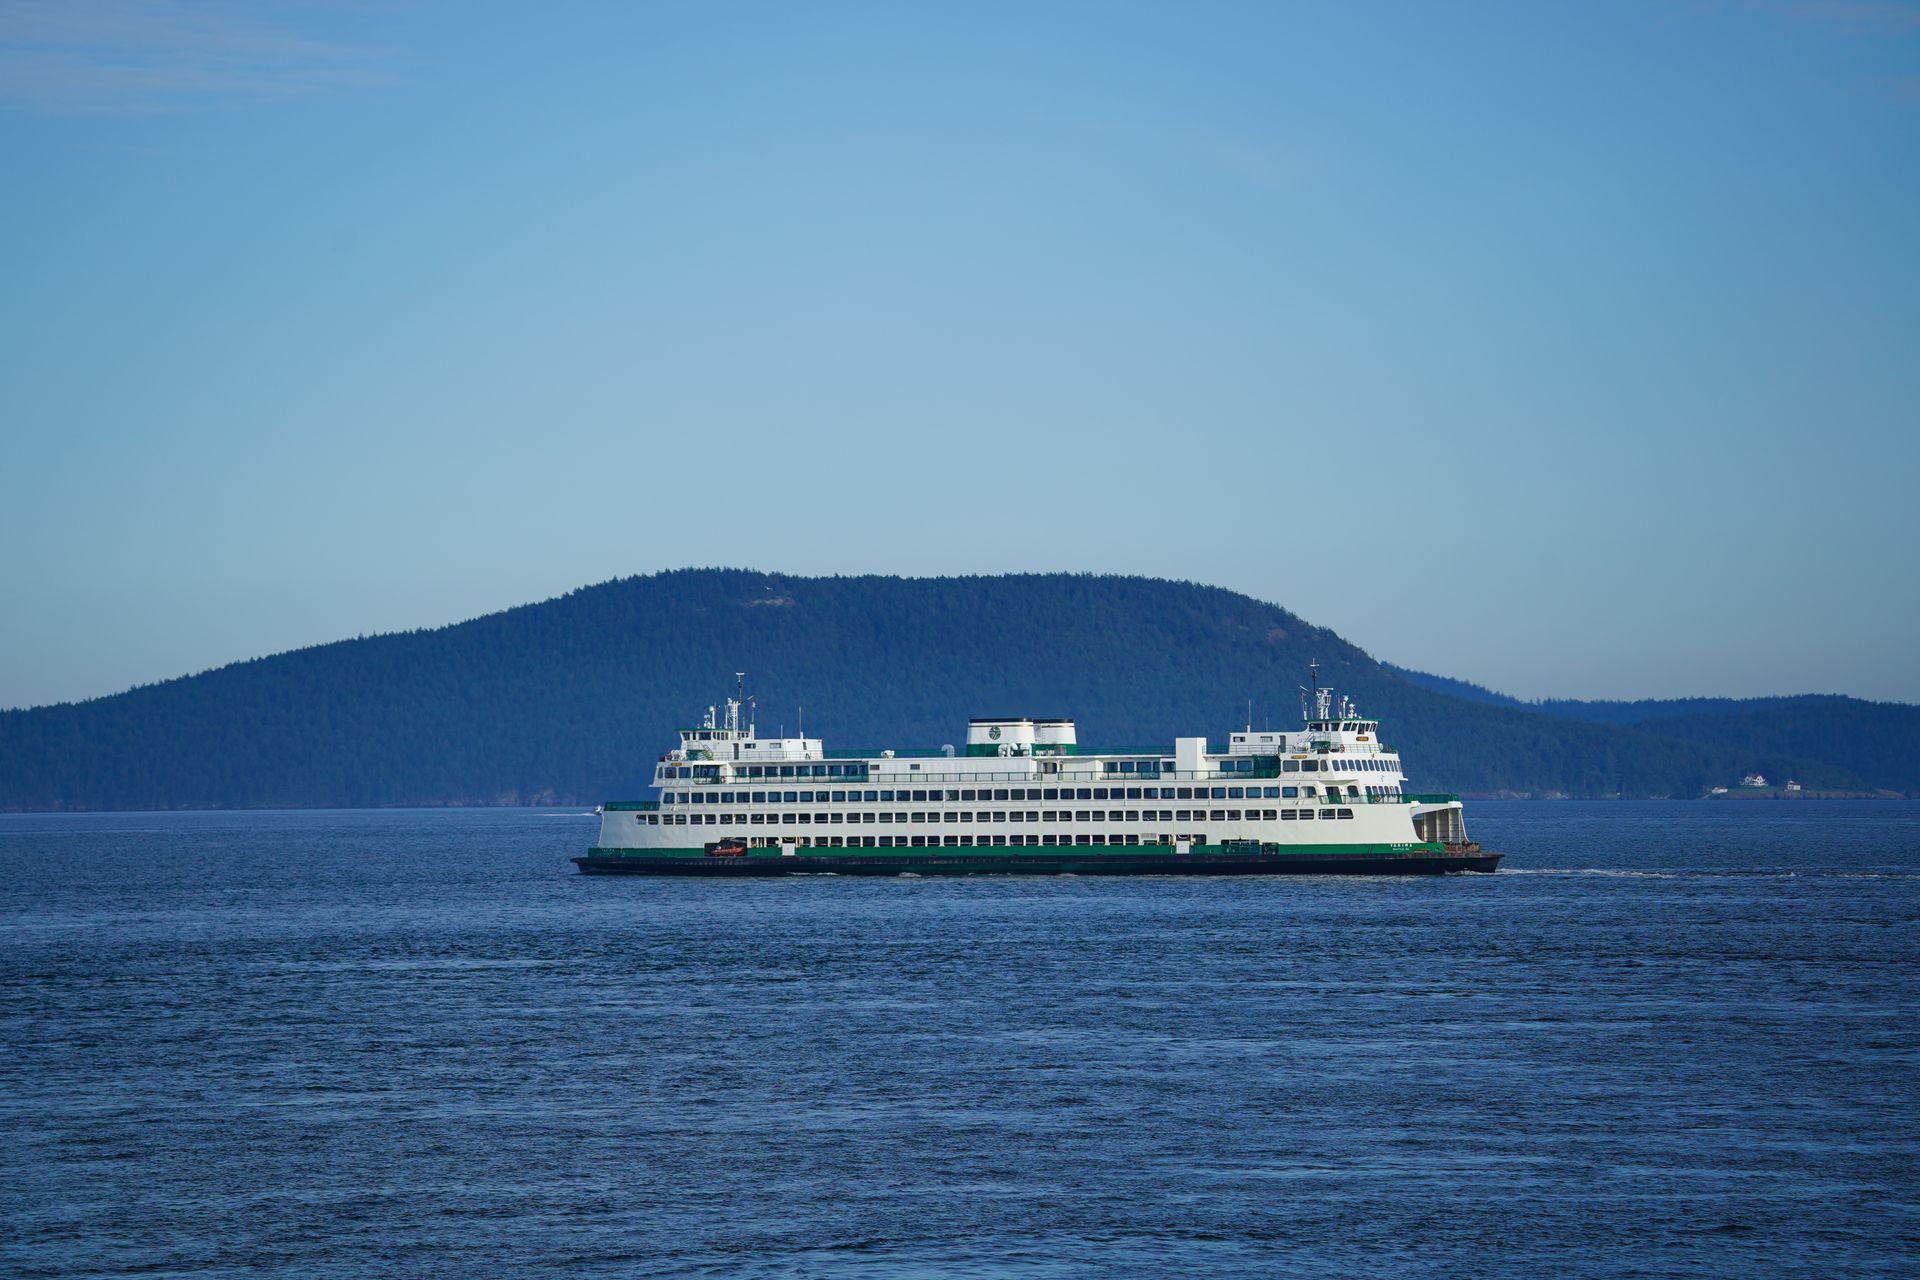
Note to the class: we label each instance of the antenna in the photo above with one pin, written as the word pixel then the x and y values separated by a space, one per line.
pixel 1249 715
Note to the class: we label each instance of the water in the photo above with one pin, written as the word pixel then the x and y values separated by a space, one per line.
pixel 1670 1039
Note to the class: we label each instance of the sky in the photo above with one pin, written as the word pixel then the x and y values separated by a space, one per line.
pixel 1569 348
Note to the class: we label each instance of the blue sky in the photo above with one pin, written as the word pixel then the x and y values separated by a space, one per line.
pixel 1570 348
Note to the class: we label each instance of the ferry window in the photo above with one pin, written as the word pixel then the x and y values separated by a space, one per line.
pixel 1085 793
pixel 1000 793
pixel 871 796
pixel 1236 793
pixel 1126 766
pixel 1099 793
pixel 997 817
pixel 967 795
pixel 951 816
pixel 1346 813
pixel 1310 790
pixel 966 815
pixel 1326 813
pixel 1166 766
pixel 1219 793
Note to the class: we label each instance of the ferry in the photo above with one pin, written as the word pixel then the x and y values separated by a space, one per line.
pixel 1025 798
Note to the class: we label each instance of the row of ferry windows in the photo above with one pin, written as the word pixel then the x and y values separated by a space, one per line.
pixel 927 819
pixel 1146 768
pixel 848 772
pixel 998 793
pixel 983 841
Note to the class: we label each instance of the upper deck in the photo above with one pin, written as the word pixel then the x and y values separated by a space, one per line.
pixel 1028 749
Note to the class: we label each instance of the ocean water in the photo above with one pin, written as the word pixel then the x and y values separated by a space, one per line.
pixel 1668 1039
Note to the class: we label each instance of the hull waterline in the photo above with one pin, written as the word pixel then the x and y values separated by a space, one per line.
pixel 1117 861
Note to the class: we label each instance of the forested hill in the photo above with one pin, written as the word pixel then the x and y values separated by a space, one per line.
pixel 570 700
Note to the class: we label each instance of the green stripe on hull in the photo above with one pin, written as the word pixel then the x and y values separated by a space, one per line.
pixel 1327 859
